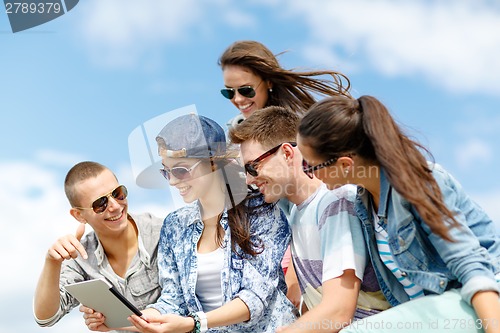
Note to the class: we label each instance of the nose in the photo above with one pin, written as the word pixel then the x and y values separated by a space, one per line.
pixel 113 204
pixel 238 98
pixel 249 179
pixel 173 180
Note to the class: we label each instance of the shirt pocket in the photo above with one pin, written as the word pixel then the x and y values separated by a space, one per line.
pixel 144 287
pixel 407 248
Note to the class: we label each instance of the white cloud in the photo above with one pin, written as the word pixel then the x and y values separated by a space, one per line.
pixel 489 202
pixel 118 32
pixel 473 152
pixel 34 215
pixel 56 158
pixel 453 44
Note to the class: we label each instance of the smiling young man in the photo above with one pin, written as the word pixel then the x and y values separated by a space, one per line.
pixel 328 249
pixel 121 248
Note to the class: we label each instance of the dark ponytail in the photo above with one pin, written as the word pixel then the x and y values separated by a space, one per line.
pixel 339 125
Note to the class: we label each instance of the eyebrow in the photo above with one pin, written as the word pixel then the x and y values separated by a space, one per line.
pixel 181 163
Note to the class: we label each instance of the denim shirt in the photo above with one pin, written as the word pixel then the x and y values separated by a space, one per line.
pixel 470 262
pixel 258 281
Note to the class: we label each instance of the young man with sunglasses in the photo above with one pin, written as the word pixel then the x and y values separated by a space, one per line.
pixel 121 248
pixel 328 249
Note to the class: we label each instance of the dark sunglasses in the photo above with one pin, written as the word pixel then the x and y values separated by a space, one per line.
pixel 100 204
pixel 245 91
pixel 251 167
pixel 309 170
pixel 180 173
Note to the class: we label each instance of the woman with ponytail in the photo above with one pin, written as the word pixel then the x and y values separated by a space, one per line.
pixel 428 241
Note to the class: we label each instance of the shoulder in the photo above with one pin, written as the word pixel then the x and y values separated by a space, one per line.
pixel 89 241
pixel 440 174
pixel 147 221
pixel 184 214
pixel 339 200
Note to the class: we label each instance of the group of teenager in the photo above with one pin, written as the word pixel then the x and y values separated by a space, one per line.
pixel 381 239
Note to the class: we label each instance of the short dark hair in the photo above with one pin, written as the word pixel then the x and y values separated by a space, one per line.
pixel 269 126
pixel 78 173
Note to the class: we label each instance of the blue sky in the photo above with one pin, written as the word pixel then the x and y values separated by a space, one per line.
pixel 74 89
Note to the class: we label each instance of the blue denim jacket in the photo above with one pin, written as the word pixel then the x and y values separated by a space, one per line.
pixel 258 281
pixel 471 262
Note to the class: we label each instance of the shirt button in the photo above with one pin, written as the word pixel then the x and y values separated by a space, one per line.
pixel 442 283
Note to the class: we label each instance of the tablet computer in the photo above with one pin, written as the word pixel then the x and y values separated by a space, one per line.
pixel 101 296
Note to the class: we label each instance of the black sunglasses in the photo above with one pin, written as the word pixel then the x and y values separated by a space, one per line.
pixel 180 173
pixel 245 91
pixel 251 167
pixel 309 170
pixel 100 204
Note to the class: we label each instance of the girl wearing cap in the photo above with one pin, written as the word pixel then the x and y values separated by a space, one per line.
pixel 429 243
pixel 219 256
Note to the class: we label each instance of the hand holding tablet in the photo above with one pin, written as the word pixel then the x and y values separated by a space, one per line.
pixel 101 296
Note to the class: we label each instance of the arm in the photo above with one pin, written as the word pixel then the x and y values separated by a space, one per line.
pixel 292 283
pixel 336 308
pixel 171 299
pixel 467 257
pixel 262 279
pixel 487 307
pixel 230 313
pixel 47 300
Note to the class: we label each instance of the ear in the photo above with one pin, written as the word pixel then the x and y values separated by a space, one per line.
pixel 77 214
pixel 288 152
pixel 269 85
pixel 346 164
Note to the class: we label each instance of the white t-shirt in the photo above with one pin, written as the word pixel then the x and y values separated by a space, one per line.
pixel 327 239
pixel 208 284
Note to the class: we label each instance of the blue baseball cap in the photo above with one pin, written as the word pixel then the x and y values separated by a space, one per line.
pixel 192 136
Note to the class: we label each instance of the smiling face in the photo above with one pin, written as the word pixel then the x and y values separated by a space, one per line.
pixel 272 172
pixel 198 184
pixel 114 219
pixel 238 76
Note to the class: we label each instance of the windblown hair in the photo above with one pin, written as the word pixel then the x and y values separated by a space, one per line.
pixel 78 173
pixel 238 202
pixel 337 126
pixel 291 89
pixel 269 126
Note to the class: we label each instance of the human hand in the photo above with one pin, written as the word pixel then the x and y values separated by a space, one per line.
pixel 68 247
pixel 93 319
pixel 294 294
pixel 169 323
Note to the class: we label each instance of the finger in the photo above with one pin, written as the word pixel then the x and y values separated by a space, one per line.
pixel 85 309
pixel 153 319
pixel 67 247
pixel 59 251
pixel 138 322
pixel 80 231
pixel 54 255
pixel 78 235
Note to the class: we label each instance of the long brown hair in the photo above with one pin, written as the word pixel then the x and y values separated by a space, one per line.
pixel 290 89
pixel 240 208
pixel 340 125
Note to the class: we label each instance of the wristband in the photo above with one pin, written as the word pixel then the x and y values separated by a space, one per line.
pixel 197 323
pixel 203 321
